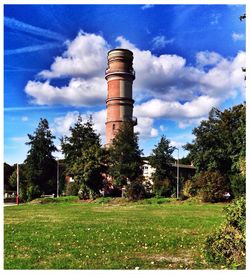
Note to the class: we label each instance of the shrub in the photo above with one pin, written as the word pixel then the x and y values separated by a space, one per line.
pixel 72 189
pixel 189 189
pixel 227 244
pixel 135 191
pixel 163 188
pixel 238 184
pixel 211 186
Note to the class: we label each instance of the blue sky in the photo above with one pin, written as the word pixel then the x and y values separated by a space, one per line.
pixel 187 59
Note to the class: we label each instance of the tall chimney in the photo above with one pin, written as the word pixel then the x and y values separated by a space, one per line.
pixel 120 76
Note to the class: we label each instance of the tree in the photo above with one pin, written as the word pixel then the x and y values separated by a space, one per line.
pixel 220 142
pixel 161 159
pixel 40 165
pixel 8 170
pixel 22 181
pixel 125 156
pixel 82 136
pixel 84 155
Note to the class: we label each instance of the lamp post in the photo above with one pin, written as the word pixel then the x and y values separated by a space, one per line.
pixel 178 174
pixel 17 184
pixel 57 178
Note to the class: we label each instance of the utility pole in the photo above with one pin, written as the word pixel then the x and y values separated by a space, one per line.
pixel 17 184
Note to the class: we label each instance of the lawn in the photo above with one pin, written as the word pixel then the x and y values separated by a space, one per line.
pixel 154 234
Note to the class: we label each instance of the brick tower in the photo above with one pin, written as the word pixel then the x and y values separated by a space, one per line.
pixel 120 76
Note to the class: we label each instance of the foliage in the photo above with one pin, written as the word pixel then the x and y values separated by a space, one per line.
pixel 84 157
pixel 227 244
pixel 189 189
pixel 82 136
pixel 211 186
pixel 22 182
pixel 220 142
pixel 40 165
pixel 135 191
pixel 88 168
pixel 8 171
pixel 125 156
pixel 163 188
pixel 72 188
pixel 161 159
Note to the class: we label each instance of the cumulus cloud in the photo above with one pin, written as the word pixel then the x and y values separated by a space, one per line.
pixel 204 58
pixel 79 92
pixel 168 77
pixel 85 56
pixel 168 86
pixel 157 108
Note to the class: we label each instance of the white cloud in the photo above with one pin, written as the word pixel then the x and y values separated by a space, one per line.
pixel 79 92
pixel 85 57
pixel 204 58
pixel 181 92
pixel 145 127
pixel 159 42
pixel 157 108
pixel 238 36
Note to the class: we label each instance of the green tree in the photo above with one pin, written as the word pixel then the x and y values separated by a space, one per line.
pixel 220 144
pixel 84 156
pixel 22 182
pixel 125 156
pixel 161 159
pixel 82 136
pixel 8 170
pixel 40 165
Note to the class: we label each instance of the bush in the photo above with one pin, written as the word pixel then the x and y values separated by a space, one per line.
pixel 238 185
pixel 163 188
pixel 227 244
pixel 72 189
pixel 189 189
pixel 211 186
pixel 135 191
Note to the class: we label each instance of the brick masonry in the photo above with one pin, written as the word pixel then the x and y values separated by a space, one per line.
pixel 120 76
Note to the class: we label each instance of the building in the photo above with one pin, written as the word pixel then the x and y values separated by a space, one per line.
pixel 120 76
pixel 186 171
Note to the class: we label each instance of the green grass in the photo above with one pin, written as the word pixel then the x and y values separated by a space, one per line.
pixel 109 234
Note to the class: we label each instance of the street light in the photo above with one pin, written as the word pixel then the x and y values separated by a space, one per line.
pixel 17 184
pixel 177 177
pixel 57 178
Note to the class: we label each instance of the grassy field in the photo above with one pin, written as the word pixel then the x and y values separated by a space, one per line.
pixel 153 234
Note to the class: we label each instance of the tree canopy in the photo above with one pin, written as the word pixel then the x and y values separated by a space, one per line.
pixel 220 144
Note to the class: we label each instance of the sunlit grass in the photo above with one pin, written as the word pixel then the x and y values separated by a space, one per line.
pixel 101 235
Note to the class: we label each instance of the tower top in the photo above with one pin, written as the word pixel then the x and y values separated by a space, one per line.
pixel 120 51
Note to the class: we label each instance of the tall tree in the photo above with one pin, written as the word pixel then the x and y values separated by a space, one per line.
pixel 82 136
pixel 161 159
pixel 8 170
pixel 125 156
pixel 84 155
pixel 220 144
pixel 40 165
